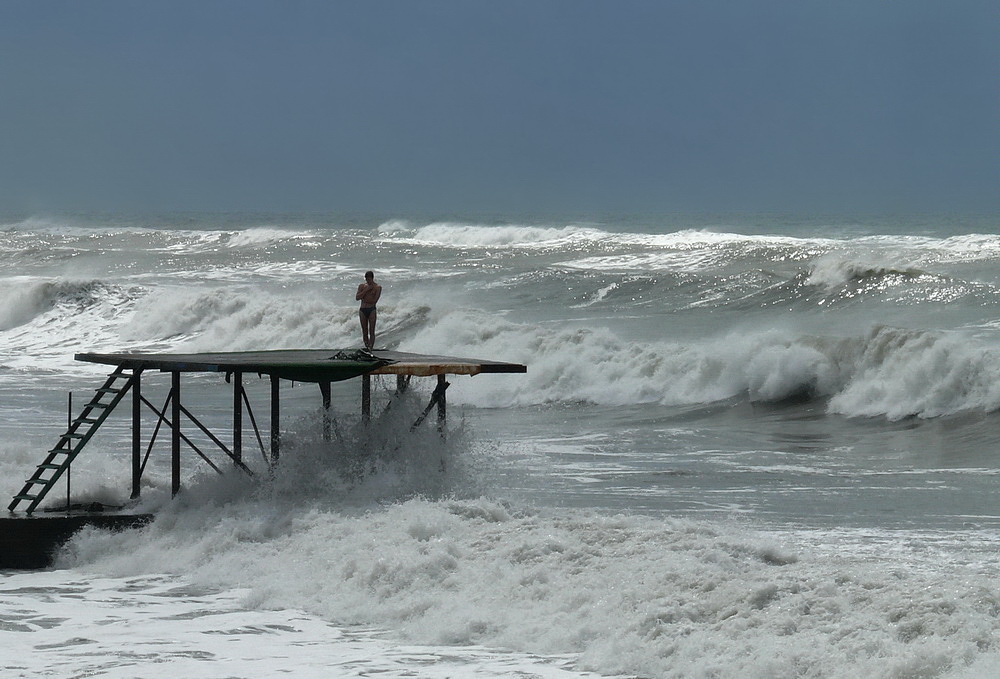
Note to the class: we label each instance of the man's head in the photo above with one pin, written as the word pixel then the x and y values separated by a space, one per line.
pixel 369 276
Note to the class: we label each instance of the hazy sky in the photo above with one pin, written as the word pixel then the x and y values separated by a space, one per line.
pixel 420 105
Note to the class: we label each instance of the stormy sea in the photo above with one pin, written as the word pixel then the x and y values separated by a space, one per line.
pixel 744 446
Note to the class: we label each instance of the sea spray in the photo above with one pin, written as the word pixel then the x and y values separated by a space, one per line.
pixel 928 374
pixel 889 372
pixel 665 598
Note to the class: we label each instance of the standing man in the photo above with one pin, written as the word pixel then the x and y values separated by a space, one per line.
pixel 368 293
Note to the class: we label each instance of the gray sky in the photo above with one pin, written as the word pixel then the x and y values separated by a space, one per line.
pixel 574 105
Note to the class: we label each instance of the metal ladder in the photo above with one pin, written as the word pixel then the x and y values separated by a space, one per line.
pixel 73 440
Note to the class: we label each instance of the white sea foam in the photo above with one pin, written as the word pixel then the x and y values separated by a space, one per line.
pixel 670 260
pixel 47 320
pixel 263 235
pixel 22 298
pixel 664 598
pixel 474 235
pixel 597 366
pixel 889 372
pixel 832 271
pixel 54 225
pixel 58 620
pixel 396 226
pixel 910 372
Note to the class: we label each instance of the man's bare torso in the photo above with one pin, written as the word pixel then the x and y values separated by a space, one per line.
pixel 369 294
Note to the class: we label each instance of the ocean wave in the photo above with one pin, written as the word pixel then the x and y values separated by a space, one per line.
pixel 595 365
pixel 51 226
pixel 47 321
pixel 238 318
pixel 902 373
pixel 263 235
pixel 22 299
pixel 890 372
pixel 965 248
pixel 625 594
pixel 397 226
pixel 481 236
pixel 838 270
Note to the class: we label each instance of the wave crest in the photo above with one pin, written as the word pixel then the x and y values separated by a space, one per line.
pixel 834 271
pixel 890 372
pixel 451 234
pixel 23 299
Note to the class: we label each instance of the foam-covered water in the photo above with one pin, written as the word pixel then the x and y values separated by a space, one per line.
pixel 750 447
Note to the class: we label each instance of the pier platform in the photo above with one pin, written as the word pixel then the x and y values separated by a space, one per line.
pixel 319 366
pixel 308 365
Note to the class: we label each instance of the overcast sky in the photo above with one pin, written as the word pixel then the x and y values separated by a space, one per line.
pixel 506 106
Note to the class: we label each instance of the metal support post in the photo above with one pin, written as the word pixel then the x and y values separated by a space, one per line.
pixel 324 388
pixel 69 468
pixel 238 416
pixel 175 432
pixel 442 405
pixel 136 433
pixel 275 420
pixel 366 398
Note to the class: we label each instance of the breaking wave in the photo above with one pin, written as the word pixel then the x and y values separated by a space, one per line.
pixel 627 594
pixel 23 299
pixel 472 235
pixel 835 271
pixel 889 372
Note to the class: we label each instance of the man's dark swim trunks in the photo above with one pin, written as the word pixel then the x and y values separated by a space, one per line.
pixel 367 310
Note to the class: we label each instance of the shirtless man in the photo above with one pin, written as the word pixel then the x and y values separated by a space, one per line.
pixel 368 293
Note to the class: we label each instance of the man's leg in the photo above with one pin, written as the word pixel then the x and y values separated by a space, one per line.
pixel 372 317
pixel 364 328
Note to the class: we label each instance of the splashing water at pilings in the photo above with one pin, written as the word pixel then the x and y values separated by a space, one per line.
pixel 385 457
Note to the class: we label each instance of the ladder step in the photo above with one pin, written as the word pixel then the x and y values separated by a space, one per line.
pixel 75 437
